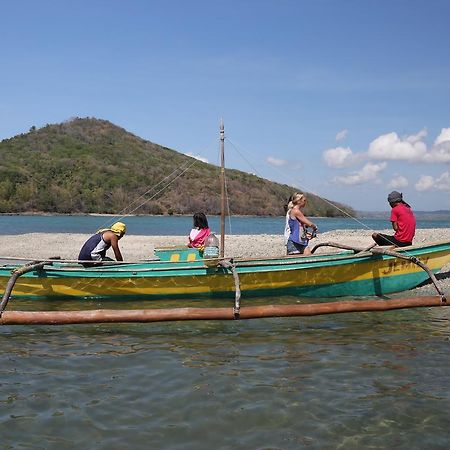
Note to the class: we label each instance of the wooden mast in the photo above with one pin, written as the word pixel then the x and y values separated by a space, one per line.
pixel 222 189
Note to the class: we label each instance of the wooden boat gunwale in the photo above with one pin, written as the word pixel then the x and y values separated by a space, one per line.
pixel 258 277
pixel 290 262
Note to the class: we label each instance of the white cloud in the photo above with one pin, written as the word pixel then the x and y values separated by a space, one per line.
pixel 429 183
pixel 398 182
pixel 411 148
pixel 425 183
pixel 276 161
pixel 443 182
pixel 391 147
pixel 200 158
pixel 369 173
pixel 440 152
pixel 420 136
pixel 338 157
pixel 444 136
pixel 341 135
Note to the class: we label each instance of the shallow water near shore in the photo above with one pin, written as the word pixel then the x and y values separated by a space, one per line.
pixel 349 381
pixel 345 381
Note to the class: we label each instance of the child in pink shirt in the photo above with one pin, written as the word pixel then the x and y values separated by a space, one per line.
pixel 199 232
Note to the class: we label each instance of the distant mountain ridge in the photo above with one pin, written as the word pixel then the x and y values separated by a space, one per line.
pixel 438 215
pixel 93 166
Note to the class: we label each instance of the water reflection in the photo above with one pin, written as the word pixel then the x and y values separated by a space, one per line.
pixel 341 381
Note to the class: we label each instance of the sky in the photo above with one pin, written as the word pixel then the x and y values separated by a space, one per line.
pixel 346 99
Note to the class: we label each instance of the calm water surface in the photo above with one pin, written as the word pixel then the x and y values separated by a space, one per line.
pixel 349 381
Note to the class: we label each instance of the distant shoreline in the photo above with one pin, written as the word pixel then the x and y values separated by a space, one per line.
pixel 25 214
pixel 437 214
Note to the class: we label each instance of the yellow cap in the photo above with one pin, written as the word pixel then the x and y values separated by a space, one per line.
pixel 118 228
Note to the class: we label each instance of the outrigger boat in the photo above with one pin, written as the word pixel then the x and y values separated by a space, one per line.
pixel 182 273
pixel 356 272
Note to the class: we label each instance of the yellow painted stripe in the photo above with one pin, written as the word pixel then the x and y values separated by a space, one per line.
pixel 206 284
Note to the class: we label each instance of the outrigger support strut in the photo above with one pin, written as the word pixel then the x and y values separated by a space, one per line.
pixel 385 251
pixel 29 267
pixel 229 264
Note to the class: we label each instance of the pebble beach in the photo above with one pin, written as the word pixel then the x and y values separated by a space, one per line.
pixel 46 245
pixel 136 247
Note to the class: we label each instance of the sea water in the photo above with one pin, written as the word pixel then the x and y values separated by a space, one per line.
pixel 345 381
pixel 180 225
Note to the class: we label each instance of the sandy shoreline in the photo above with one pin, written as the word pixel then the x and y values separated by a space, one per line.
pixel 134 247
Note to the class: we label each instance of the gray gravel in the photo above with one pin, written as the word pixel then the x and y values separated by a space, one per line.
pixel 67 246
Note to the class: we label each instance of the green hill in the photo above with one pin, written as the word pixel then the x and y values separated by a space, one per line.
pixel 93 166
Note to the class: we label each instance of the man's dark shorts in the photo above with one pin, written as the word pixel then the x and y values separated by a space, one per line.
pixel 385 239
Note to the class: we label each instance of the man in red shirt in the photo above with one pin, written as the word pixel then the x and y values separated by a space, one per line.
pixel 403 223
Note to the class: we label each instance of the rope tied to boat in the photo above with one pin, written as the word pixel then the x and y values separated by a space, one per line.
pixel 414 260
pixel 386 251
pixel 15 274
pixel 230 265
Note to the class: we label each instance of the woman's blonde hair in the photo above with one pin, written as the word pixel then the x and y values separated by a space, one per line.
pixel 295 199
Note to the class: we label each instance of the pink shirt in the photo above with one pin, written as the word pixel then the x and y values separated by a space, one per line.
pixel 406 222
pixel 197 237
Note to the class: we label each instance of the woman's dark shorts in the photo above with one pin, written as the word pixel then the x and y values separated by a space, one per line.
pixel 294 249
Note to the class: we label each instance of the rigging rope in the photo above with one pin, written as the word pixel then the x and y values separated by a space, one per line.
pixel 228 202
pixel 227 198
pixel 295 182
pixel 187 165
pixel 183 168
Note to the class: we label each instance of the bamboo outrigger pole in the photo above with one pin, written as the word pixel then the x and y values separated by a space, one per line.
pixel 178 314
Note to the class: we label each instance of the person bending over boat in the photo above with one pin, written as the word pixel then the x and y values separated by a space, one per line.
pixel 298 237
pixel 403 223
pixel 199 232
pixel 94 249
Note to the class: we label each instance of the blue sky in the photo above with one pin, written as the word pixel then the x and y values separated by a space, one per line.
pixel 346 99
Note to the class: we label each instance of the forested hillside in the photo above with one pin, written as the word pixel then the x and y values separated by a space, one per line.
pixel 93 166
